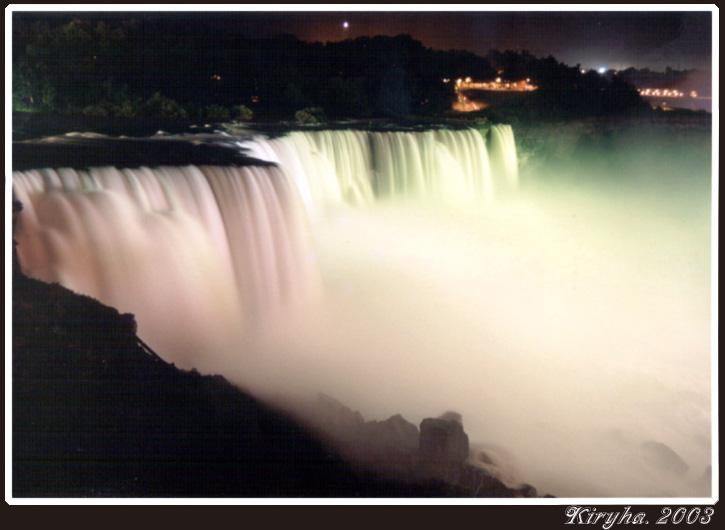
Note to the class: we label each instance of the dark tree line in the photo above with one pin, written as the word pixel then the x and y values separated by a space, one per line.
pixel 149 68
pixel 565 92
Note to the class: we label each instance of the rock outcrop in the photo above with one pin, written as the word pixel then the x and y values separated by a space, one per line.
pixel 396 449
pixel 443 440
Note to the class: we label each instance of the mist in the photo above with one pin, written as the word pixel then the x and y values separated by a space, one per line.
pixel 568 321
pixel 568 325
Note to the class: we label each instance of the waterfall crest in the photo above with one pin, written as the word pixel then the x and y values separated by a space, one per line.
pixel 359 167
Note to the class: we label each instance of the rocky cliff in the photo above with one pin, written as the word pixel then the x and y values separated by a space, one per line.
pixel 96 413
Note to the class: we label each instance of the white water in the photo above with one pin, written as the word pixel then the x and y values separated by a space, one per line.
pixel 566 326
pixel 356 167
pixel 201 255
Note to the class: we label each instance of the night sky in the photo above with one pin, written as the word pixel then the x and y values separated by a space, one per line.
pixel 614 39
pixel 593 39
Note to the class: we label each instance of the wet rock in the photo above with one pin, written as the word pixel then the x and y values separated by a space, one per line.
pixel 396 433
pixel 526 491
pixel 443 440
pixel 335 419
pixel 496 461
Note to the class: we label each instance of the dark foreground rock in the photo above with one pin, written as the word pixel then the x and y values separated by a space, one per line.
pixel 443 440
pixel 398 450
pixel 96 413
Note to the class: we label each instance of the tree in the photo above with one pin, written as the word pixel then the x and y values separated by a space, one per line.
pixel 395 97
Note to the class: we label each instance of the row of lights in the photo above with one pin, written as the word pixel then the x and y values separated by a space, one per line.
pixel 664 92
pixel 602 70
pixel 498 84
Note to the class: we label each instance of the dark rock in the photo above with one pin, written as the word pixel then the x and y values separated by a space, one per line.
pixel 95 413
pixel 395 433
pixel 481 484
pixel 483 458
pixel 80 152
pixel 496 461
pixel 443 440
pixel 527 491
pixel 335 419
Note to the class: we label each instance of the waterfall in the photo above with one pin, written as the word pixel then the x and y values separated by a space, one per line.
pixel 503 154
pixel 360 167
pixel 577 316
pixel 214 248
pixel 175 241
pixel 169 243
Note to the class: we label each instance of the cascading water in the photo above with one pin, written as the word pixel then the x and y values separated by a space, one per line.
pixel 171 243
pixel 565 329
pixel 358 167
pixel 503 154
pixel 225 237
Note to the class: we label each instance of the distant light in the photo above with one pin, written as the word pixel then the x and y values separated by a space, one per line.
pixel 602 69
pixel 446 80
pixel 584 71
pixel 345 24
